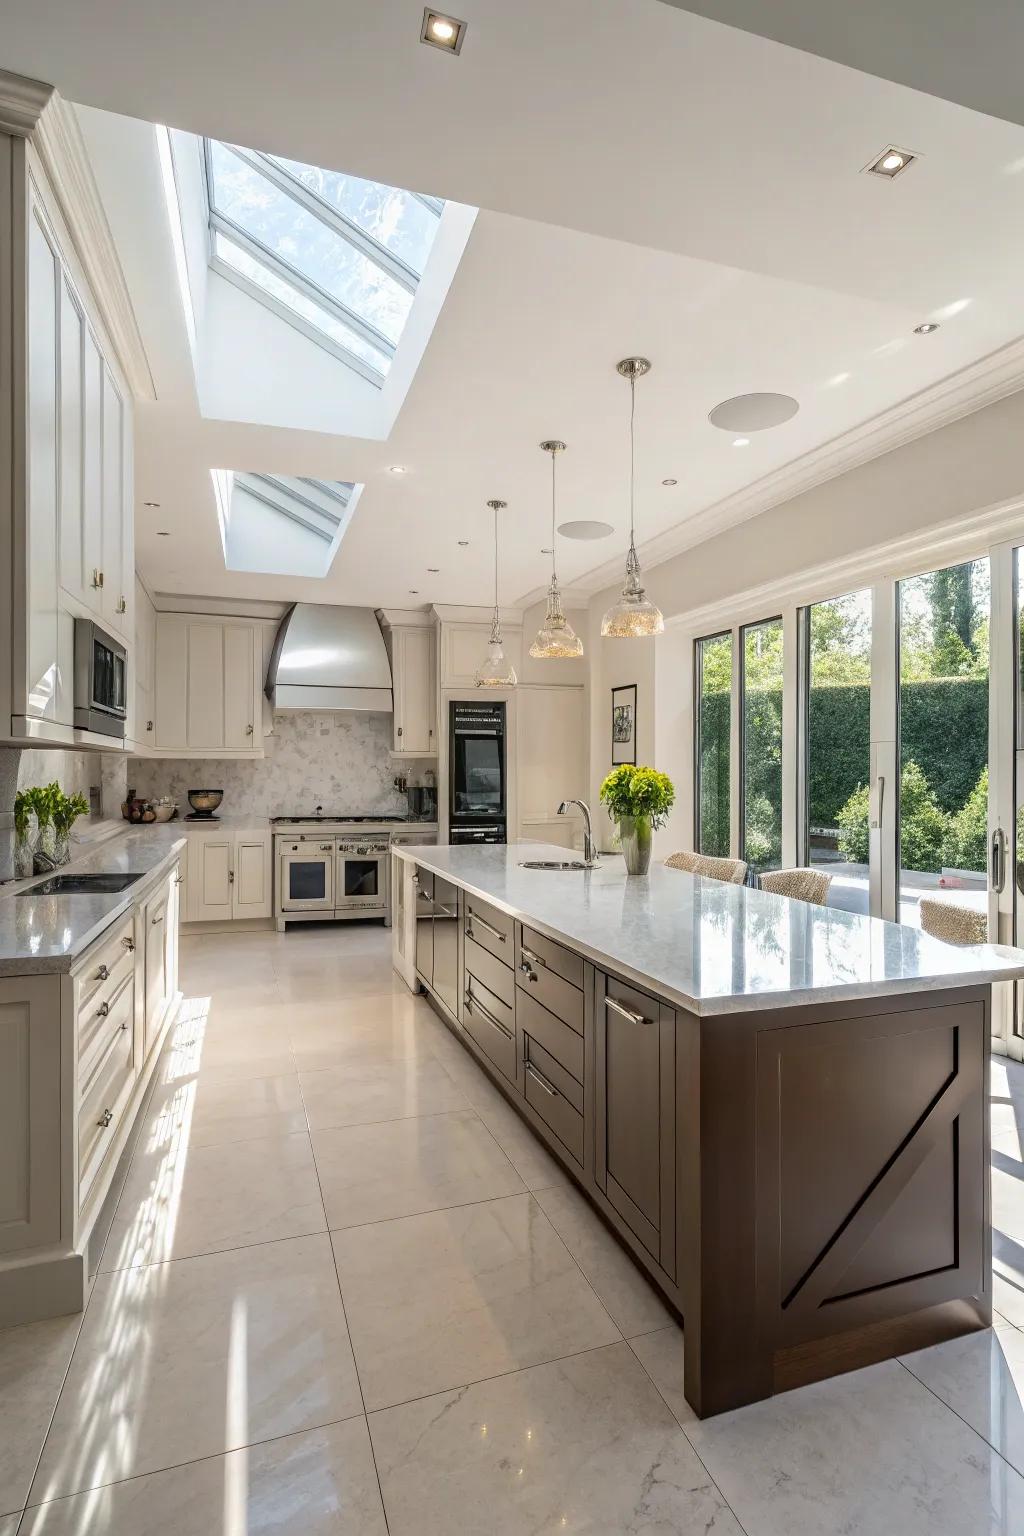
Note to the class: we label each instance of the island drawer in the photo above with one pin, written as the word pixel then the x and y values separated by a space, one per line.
pixel 491 1024
pixel 105 969
pixel 554 956
pixel 554 1109
pixel 495 976
pixel 103 1101
pixel 102 1016
pixel 536 978
pixel 557 1039
pixel 555 1073
pixel 489 927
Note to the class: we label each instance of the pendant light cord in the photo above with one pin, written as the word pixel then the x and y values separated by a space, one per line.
pixel 632 456
pixel 496 565
pixel 554 572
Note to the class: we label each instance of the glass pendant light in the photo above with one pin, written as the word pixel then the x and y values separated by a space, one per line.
pixel 556 636
pixel 633 615
pixel 496 670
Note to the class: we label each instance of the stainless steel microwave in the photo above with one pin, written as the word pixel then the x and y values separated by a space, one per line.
pixel 101 680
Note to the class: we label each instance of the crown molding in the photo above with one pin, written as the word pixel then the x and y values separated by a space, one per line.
pixel 960 394
pixel 452 613
pixel 57 140
pixel 22 103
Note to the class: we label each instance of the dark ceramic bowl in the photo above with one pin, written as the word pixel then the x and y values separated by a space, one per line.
pixel 205 801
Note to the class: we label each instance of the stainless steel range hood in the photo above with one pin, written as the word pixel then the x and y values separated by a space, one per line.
pixel 329 657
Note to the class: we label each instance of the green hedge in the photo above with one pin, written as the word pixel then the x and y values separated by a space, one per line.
pixel 944 728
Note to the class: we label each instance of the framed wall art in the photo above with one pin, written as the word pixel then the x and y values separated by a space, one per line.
pixel 624 725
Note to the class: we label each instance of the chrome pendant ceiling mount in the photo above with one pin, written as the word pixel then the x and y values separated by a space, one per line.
pixel 633 616
pixel 556 637
pixel 496 669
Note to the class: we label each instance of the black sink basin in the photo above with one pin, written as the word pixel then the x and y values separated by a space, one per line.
pixel 82 885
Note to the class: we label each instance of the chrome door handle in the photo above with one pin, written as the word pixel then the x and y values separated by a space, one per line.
pixel 997 876
pixel 478 1007
pixel 626 1013
pixel 541 1080
pixel 880 811
pixel 122 606
pixel 472 917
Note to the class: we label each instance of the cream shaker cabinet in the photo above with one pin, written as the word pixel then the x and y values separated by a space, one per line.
pixel 208 686
pixel 230 875
pixel 414 676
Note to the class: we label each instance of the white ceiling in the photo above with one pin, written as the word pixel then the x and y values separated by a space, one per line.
pixel 650 181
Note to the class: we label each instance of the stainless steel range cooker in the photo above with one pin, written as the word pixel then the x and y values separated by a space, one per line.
pixel 331 867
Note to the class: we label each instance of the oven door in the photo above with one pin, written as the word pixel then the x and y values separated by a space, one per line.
pixel 360 883
pixel 307 877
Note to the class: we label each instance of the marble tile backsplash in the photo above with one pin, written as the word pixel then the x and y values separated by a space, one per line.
pixel 339 761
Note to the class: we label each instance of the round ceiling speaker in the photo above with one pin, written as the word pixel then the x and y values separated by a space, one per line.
pixel 753 413
pixel 585 528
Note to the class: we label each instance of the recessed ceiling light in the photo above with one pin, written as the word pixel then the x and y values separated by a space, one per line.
pixel 433 570
pixel 585 528
pixel 414 591
pixel 753 413
pixel 891 162
pixel 151 504
pixel 463 543
pixel 397 469
pixel 741 442
pixel 927 328
pixel 162 533
pixel 441 31
pixel 670 482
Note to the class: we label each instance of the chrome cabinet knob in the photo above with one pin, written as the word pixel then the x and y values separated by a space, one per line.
pixel 105 1119
pixel 102 1010
pixel 102 973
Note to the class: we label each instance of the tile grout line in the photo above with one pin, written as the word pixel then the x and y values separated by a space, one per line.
pixel 348 1330
pixel 682 1430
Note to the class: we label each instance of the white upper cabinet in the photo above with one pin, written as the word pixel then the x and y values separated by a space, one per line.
pixel 142 728
pixel 414 678
pixel 464 646
pixel 45 684
pixel 208 686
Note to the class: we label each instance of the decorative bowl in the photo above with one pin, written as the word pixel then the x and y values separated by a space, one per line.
pixel 205 801
pixel 165 812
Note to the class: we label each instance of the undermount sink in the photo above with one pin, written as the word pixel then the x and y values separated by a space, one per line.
pixel 553 864
pixel 81 885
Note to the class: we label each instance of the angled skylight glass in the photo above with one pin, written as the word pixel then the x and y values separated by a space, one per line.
pixel 338 257
pixel 281 524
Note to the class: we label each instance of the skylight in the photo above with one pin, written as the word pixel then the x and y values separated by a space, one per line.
pixel 280 524
pixel 337 257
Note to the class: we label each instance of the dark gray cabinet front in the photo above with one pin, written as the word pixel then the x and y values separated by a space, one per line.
pixel 446 944
pixel 635 1129
pixel 425 924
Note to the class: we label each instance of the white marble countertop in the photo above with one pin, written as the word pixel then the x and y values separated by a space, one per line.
pixel 712 947
pixel 48 933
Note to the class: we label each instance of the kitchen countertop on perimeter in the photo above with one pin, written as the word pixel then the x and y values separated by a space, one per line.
pixel 711 947
pixel 48 933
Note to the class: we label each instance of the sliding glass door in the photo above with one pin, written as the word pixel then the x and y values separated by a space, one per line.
pixel 761 725
pixel 943 737
pixel 835 688
pixel 713 693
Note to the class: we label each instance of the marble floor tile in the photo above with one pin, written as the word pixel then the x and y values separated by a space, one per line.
pixel 981 1377
pixel 385 1028
pixel 631 1300
pixel 237 1110
pixel 321 1482
pixel 229 1055
pixel 438 1300
pixel 536 1167
pixel 179 1201
pixel 355 976
pixel 9 1524
pixel 199 1356
pixel 363 1091
pixel 872 1452
pixel 579 1445
pixel 661 1355
pixel 403 1167
pixel 33 1360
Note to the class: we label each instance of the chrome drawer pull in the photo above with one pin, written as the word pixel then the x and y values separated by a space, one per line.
pixel 105 1119
pixel 626 1013
pixel 129 944
pixel 478 1007
pixel 102 973
pixel 542 1081
pixel 102 1010
pixel 444 912
pixel 495 933
pixel 528 958
pixel 160 916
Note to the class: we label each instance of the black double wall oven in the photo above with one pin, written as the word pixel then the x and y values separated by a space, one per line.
pixel 478 776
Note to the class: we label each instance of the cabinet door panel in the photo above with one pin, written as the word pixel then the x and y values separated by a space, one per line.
pixel 112 588
pixel 156 915
pixel 209 878
pixel 251 889
pixel 42 656
pixel 29 1112
pixel 92 467
pixel 635 1121
pixel 239 686
pixel 204 725
pixel 171 681
pixel 415 688
pixel 72 405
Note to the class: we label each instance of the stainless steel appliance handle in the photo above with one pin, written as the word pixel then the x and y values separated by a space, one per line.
pixel 998 863
pixel 626 1013
pixel 541 1080
pixel 473 917
pixel 485 1013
